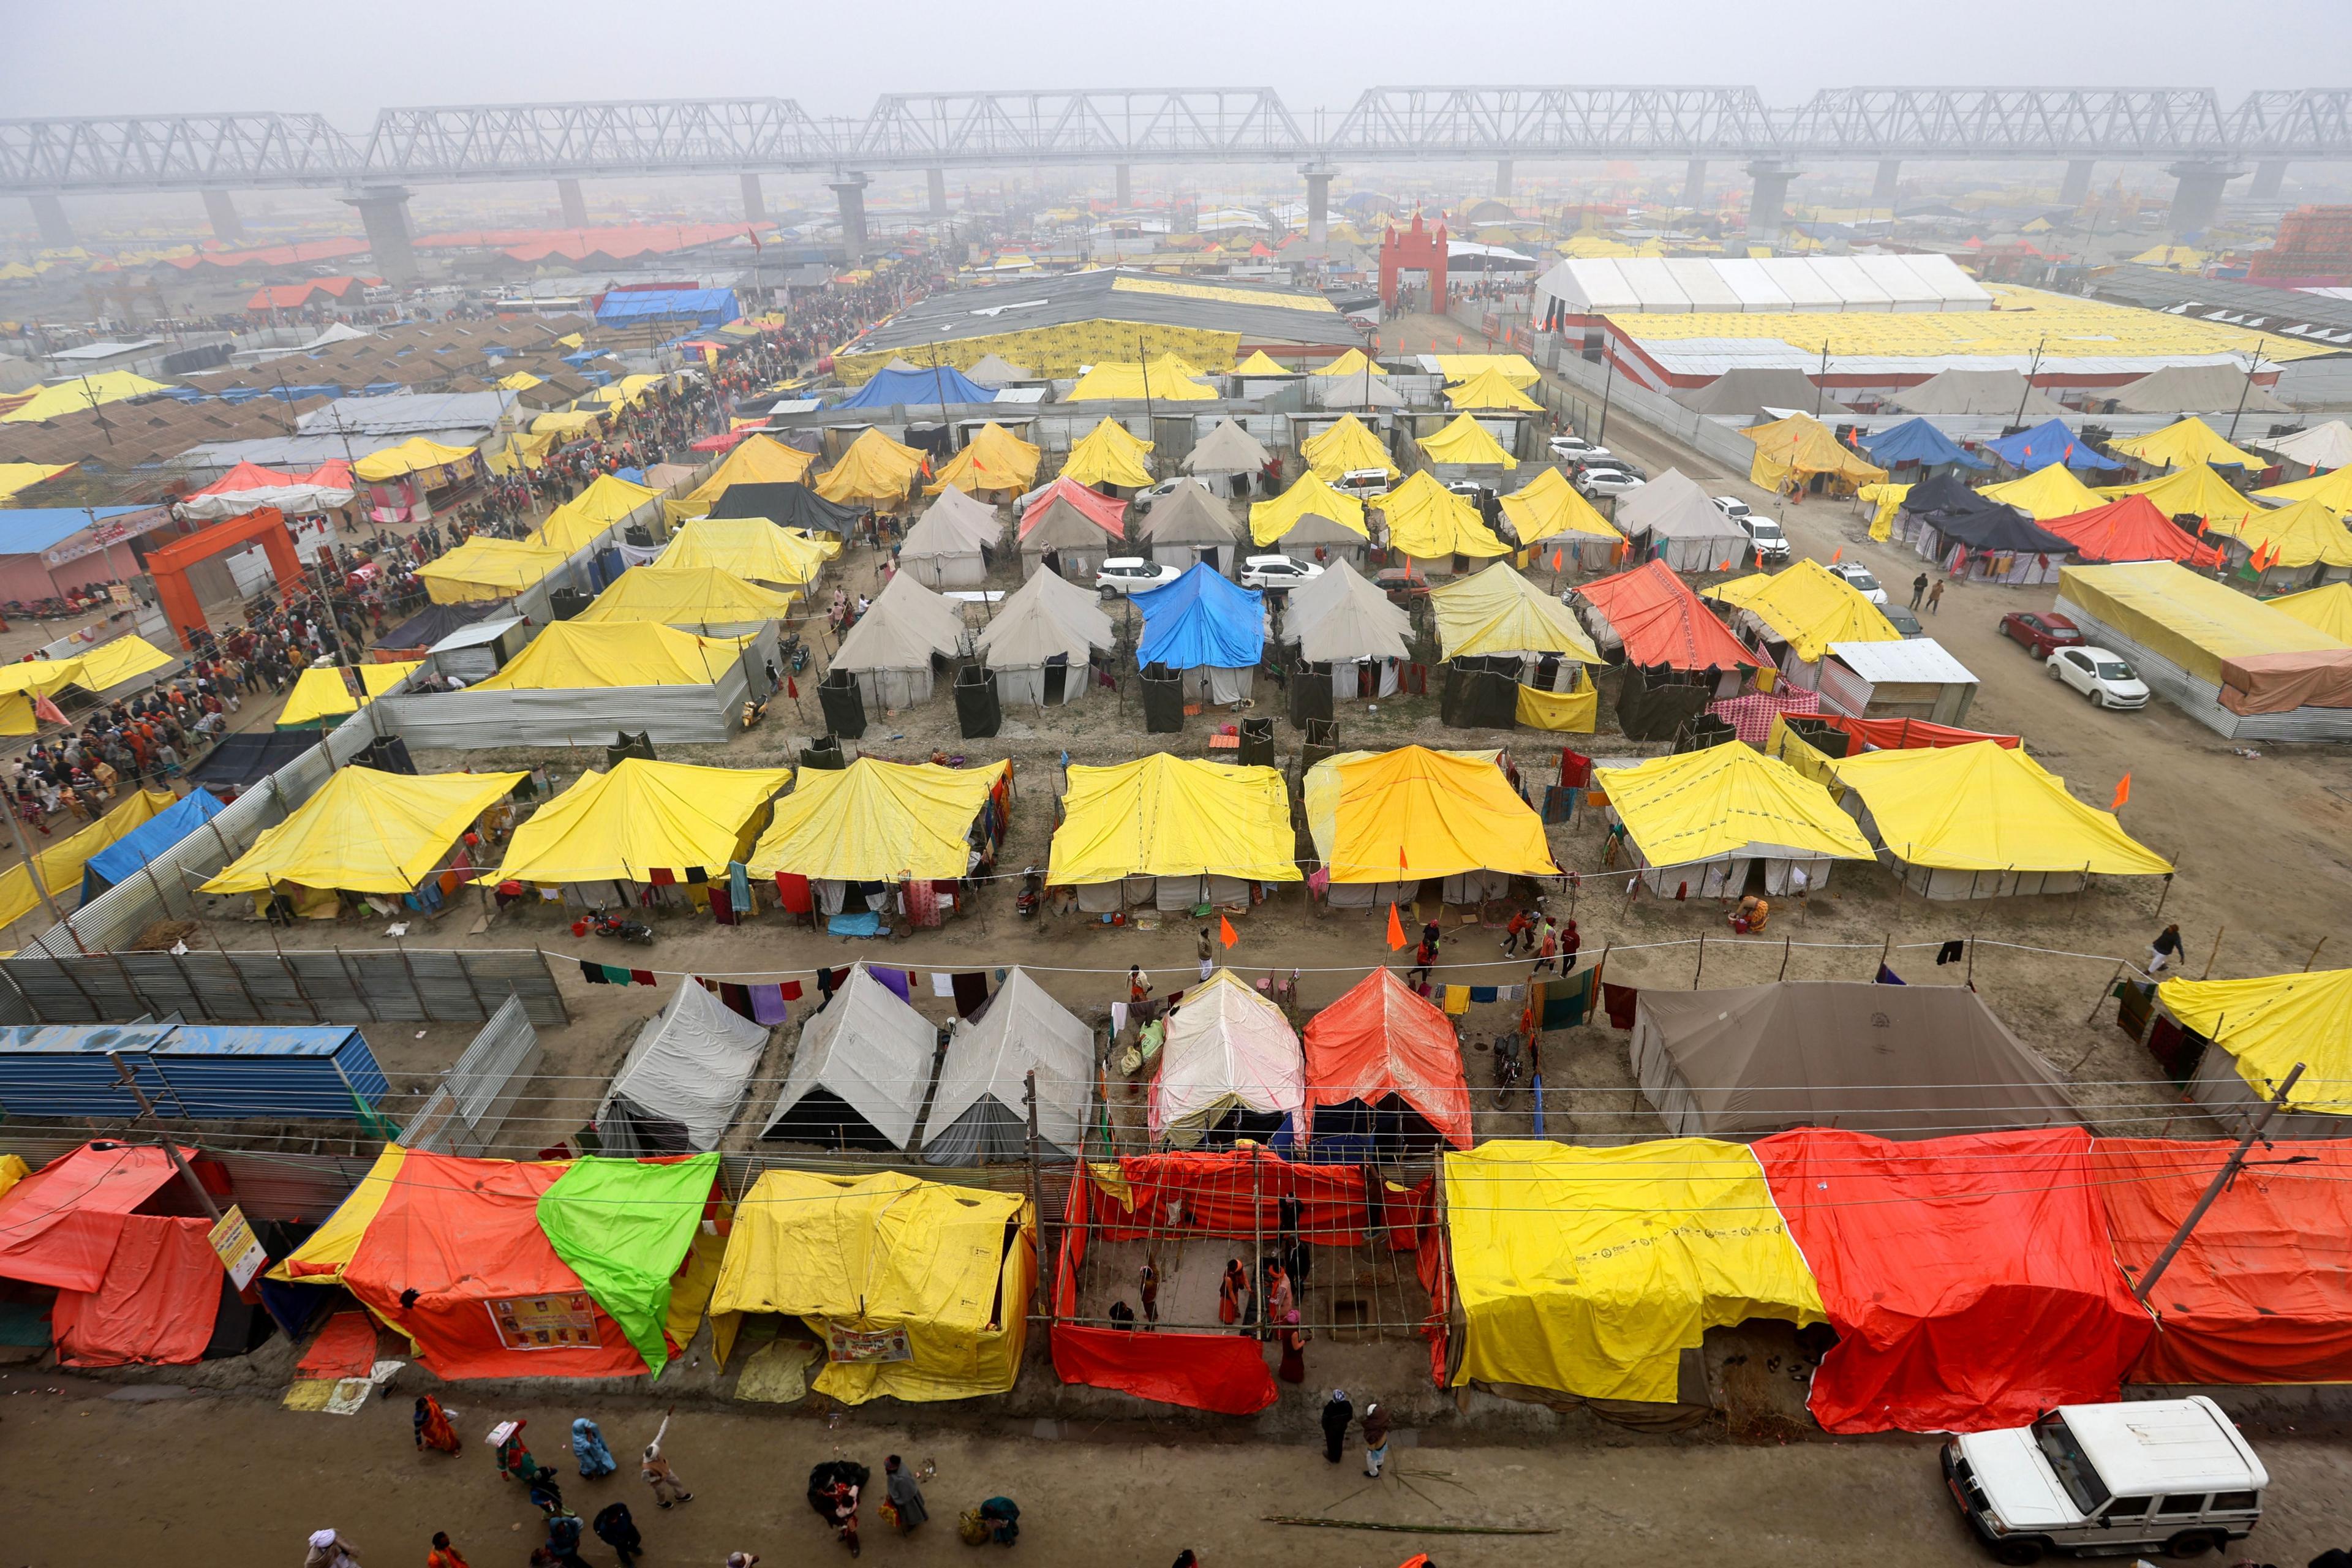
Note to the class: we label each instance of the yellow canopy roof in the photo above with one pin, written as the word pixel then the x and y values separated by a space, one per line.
pixel 1497 611
pixel 747 547
pixel 1548 504
pixel 1729 799
pixel 1308 496
pixel 877 822
pixel 1109 455
pixel 520 381
pixel 366 831
pixel 574 525
pixel 628 390
pixel 1513 368
pixel 568 423
pixel 1808 606
pixel 1167 379
pixel 2190 441
pixel 2304 532
pixel 573 341
pixel 1988 807
pixel 2186 617
pixel 2325 609
pixel 1389 816
pixel 14 477
pixel 684 596
pixel 318 693
pixel 641 816
pixel 756 460
pixel 1162 816
pixel 2195 490
pixel 60 862
pixel 329 1250
pixel 2271 1022
pixel 1355 361
pixel 112 664
pixel 1464 440
pixel 993 459
pixel 1802 446
pixel 376 679
pixel 1490 389
pixel 2174 255
pixel 882 1253
pixel 2045 493
pixel 1591 1270
pixel 874 468
pixel 412 455
pixel 1260 364
pixel 575 654
pixel 1347 446
pixel 1429 522
pixel 2334 487
pixel 82 393
pixel 484 568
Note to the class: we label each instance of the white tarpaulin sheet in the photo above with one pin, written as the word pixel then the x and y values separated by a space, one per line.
pixel 679 1088
pixel 1227 1049
pixel 979 1112
pixel 859 1074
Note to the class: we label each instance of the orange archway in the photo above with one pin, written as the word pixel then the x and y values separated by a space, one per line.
pixel 169 566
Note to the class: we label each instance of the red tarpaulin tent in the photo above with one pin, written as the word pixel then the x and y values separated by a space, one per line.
pixel 1662 622
pixel 1971 1281
pixel 1910 735
pixel 131 1286
pixel 2263 1291
pixel 59 1226
pixel 2131 529
pixel 1380 1043
pixel 1106 513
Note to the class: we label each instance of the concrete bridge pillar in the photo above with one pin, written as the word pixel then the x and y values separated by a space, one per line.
pixel 1122 184
pixel 2270 174
pixel 2076 189
pixel 1770 200
pixel 1503 178
pixel 50 214
pixel 220 211
pixel 755 200
pixel 849 190
pixel 1318 202
pixel 1881 192
pixel 575 205
pixel 2197 199
pixel 1695 183
pixel 936 179
pixel 383 212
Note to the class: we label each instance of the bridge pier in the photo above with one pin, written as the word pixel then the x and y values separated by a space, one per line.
pixel 2197 199
pixel 1503 177
pixel 1122 185
pixel 50 214
pixel 849 190
pixel 2076 189
pixel 383 212
pixel 575 205
pixel 220 211
pixel 1694 183
pixel 755 200
pixel 2270 174
pixel 1770 198
pixel 936 181
pixel 1318 203
pixel 1881 192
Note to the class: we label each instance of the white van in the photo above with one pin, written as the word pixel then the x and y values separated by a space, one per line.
pixel 2169 1475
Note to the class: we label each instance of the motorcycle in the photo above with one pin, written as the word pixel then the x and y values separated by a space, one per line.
pixel 611 925
pixel 1032 896
pixel 1509 1063
pixel 795 653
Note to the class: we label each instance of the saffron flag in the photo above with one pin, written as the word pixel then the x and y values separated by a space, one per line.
pixel 1396 930
pixel 2122 793
pixel 1225 932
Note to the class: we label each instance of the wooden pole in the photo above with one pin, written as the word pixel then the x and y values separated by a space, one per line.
pixel 2105 991
pixel 1701 967
pixel 2222 1179
pixel 1257 1237
pixel 2219 932
pixel 1786 942
pixel 1041 1286
pixel 2315 954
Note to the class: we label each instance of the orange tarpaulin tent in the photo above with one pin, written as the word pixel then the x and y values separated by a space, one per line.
pixel 1378 1060
pixel 131 1287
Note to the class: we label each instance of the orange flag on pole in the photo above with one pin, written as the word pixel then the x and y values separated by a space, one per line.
pixel 1837 555
pixel 1225 932
pixel 1556 558
pixel 1396 930
pixel 2122 793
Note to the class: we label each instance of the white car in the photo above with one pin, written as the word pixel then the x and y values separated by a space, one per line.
pixel 1605 482
pixel 1860 580
pixel 1765 536
pixel 1151 494
pixel 1277 571
pixel 1364 484
pixel 2099 675
pixel 1732 507
pixel 1132 574
pixel 1576 449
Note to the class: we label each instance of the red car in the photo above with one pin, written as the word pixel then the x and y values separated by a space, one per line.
pixel 2041 633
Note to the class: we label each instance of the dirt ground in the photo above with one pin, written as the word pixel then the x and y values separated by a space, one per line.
pixel 204 1480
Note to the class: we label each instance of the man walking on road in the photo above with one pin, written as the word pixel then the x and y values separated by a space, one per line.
pixel 1918 589
pixel 1338 1414
pixel 1936 595
pixel 1376 1439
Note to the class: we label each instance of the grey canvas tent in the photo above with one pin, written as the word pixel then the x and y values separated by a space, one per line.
pixel 890 649
pixel 859 1072
pixel 1343 620
pixel 979 1114
pixel 1077 541
pixel 949 545
pixel 1901 1061
pixel 1997 392
pixel 2196 389
pixel 1352 392
pixel 682 1082
pixel 1686 530
pixel 1189 525
pixel 1745 389
pixel 1228 449
pixel 993 372
pixel 1039 644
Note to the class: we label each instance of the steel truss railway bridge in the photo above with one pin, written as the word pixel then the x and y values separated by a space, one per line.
pixel 2203 142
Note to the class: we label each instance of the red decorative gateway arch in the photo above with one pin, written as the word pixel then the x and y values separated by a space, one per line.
pixel 169 566
pixel 1417 249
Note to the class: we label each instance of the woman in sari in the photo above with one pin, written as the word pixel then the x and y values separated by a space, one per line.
pixel 433 1428
pixel 588 1447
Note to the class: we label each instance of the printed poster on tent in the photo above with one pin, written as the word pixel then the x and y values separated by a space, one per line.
pixel 544 1322
pixel 868 1346
pixel 238 1249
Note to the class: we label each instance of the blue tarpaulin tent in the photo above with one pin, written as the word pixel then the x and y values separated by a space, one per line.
pixel 1202 619
pixel 913 388
pixel 122 859
pixel 2047 443
pixel 704 307
pixel 1916 441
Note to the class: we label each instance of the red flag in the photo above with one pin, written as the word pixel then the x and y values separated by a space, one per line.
pixel 753 235
pixel 1396 930
pixel 1725 567
pixel 1458 340
pixel 1555 560
pixel 1225 932
pixel 1837 555
pixel 792 688
pixel 2122 793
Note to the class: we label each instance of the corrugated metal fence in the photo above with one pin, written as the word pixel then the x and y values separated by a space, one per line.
pixel 466 1109
pixel 408 985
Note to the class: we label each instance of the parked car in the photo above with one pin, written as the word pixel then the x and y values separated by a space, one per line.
pixel 1901 618
pixel 1469 489
pixel 1595 482
pixel 2155 1475
pixel 1132 574
pixel 1364 484
pixel 2101 676
pixel 1576 449
pixel 1764 533
pixel 2043 632
pixel 1861 581
pixel 1277 571
pixel 1732 507
pixel 1150 494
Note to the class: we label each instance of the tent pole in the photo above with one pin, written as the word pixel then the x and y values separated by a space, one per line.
pixel 2106 991
pixel 2219 932
pixel 1041 1286
pixel 2222 1179
pixel 1257 1238
pixel 2315 954
pixel 1701 968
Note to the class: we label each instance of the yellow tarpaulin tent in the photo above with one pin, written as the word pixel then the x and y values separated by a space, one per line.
pixel 60 865
pixel 317 694
pixel 2270 1023
pixel 1808 606
pixel 1801 445
pixel 1355 361
pixel 1984 806
pixel 367 832
pixel 2191 440
pixel 1489 389
pixel 376 679
pixel 1167 379
pixel 1887 499
pixel 2045 493
pixel 2185 616
pixel 568 656
pixel 484 568
pixel 863 1260
pixel 993 459
pixel 2193 491
pixel 1591 1270
pixel 523 452
pixel 415 455
pixel 1307 497
pixel 1497 611
pixel 1260 363
pixel 877 822
pixel 1548 504
pixel 684 596
pixel 756 460
pixel 1109 455
pixel 1162 816
pixel 520 381
pixel 568 424
pixel 12 1168
pixel 1565 712
pixel 874 468
pixel 1464 440
pixel 575 524
pixel 14 477
pixel 2177 257
pixel 80 395
pixel 1429 522
pixel 1728 800
pixel 749 547
pixel 1348 447
pixel 640 817
pixel 1513 368
pixel 2328 610
pixel 2333 488
pixel 1389 816
pixel 2302 533
pixel 329 1250
pixel 108 664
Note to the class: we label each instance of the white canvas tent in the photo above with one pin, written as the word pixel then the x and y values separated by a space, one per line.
pixel 993 371
pixel 979 1113
pixel 889 651
pixel 1189 525
pixel 1231 1067
pixel 1037 645
pixel 1342 620
pixel 1079 545
pixel 2319 448
pixel 1688 532
pixel 2196 389
pixel 1228 451
pixel 682 1082
pixel 2001 392
pixel 859 1072
pixel 948 547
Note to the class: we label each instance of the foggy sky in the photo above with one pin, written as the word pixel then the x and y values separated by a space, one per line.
pixel 346 59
